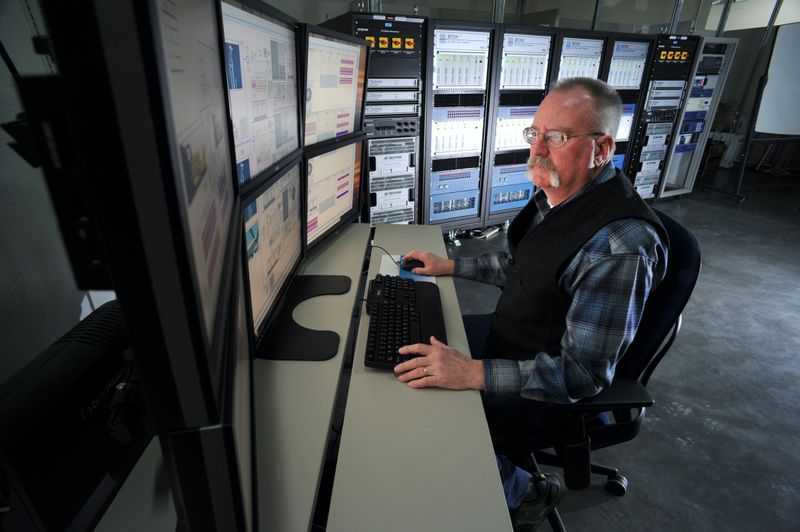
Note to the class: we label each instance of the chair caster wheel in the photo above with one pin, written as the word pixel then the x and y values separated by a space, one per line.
pixel 617 485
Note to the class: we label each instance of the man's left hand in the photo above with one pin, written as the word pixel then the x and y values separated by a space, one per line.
pixel 439 366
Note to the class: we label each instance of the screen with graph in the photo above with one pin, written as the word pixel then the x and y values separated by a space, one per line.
pixel 334 87
pixel 273 240
pixel 261 70
pixel 332 189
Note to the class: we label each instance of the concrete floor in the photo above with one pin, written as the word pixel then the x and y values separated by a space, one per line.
pixel 720 450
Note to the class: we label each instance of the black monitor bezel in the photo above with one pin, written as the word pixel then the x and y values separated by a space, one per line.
pixel 358 126
pixel 252 195
pixel 269 13
pixel 354 212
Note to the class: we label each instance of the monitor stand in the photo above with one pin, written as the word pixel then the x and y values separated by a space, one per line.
pixel 285 339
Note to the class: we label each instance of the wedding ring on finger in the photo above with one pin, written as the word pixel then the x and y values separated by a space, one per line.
pixel 425 370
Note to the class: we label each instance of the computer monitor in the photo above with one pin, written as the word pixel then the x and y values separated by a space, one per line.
pixel 333 183
pixel 273 239
pixel 580 57
pixel 625 122
pixel 263 91
pixel 272 217
pixel 187 45
pixel 336 67
pixel 628 64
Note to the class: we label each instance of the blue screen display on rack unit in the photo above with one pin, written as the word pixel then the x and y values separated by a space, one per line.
pixel 618 161
pixel 261 69
pixel 625 123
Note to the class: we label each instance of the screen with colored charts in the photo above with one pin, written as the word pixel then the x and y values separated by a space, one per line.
pixel 194 102
pixel 261 69
pixel 273 241
pixel 334 91
pixel 332 191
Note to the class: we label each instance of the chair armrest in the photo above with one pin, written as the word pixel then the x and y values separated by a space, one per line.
pixel 623 393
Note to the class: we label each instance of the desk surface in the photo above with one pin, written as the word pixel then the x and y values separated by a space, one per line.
pixel 409 459
pixel 293 400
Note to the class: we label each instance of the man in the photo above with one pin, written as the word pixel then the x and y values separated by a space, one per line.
pixel 584 255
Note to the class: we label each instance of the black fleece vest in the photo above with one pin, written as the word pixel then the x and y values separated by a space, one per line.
pixel 532 310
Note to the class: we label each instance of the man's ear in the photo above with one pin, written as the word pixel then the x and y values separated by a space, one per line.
pixel 603 149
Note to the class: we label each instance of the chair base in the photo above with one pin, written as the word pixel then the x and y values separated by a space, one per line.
pixel 616 484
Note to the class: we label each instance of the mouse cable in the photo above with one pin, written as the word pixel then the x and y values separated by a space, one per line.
pixel 387 253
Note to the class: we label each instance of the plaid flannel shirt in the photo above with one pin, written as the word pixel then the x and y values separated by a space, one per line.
pixel 608 280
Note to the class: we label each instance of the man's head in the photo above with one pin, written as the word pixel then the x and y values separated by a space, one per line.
pixel 572 136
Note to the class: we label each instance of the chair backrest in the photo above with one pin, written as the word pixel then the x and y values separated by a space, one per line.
pixel 662 311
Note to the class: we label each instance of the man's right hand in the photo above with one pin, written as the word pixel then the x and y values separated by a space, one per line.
pixel 434 264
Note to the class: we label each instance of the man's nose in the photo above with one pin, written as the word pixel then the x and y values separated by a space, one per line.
pixel 538 147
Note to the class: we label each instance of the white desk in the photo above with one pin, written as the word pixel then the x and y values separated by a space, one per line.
pixel 293 400
pixel 414 460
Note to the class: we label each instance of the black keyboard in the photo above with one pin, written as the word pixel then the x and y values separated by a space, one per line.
pixel 401 312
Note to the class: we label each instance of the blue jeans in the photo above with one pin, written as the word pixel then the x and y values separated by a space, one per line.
pixel 515 481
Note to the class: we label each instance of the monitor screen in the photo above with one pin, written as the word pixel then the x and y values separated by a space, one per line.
pixel 618 161
pixel 525 61
pixel 332 190
pixel 273 240
pixel 241 414
pixel 628 64
pixel 334 95
pixel 261 67
pixel 196 113
pixel 625 123
pixel 580 58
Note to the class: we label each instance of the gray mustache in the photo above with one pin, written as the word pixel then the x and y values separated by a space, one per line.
pixel 540 162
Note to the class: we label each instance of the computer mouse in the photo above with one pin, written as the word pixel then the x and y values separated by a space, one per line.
pixel 410 264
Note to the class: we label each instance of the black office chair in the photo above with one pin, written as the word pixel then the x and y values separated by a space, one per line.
pixel 615 415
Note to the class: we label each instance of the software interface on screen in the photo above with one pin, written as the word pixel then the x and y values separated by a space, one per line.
pixel 334 88
pixel 272 226
pixel 525 61
pixel 194 101
pixel 333 181
pixel 261 69
pixel 580 58
pixel 627 64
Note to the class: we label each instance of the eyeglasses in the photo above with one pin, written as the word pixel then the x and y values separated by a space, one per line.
pixel 553 139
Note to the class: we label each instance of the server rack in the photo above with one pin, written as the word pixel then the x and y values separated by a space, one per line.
pixel 709 77
pixel 667 84
pixel 392 114
pixel 523 61
pixel 626 71
pixel 458 120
